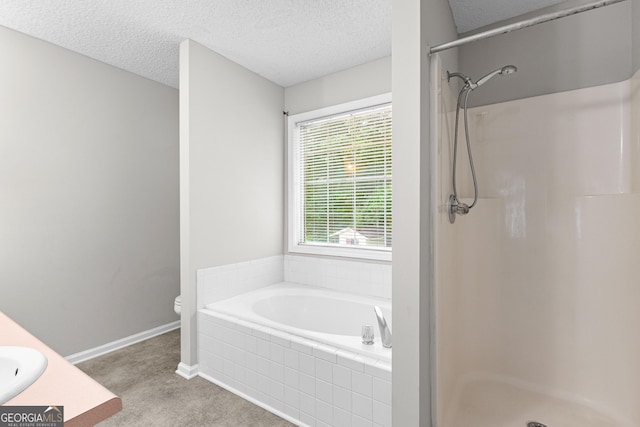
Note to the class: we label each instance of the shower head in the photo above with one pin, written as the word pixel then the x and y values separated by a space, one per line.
pixel 507 69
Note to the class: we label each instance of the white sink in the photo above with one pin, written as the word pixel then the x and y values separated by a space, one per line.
pixel 19 368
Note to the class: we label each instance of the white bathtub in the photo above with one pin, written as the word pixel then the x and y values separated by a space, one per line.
pixel 296 350
pixel 319 314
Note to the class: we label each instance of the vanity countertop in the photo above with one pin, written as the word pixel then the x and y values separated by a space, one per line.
pixel 85 402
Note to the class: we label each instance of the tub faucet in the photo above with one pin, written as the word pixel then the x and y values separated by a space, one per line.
pixel 385 332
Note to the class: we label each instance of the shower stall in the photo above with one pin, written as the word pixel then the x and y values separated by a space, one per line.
pixel 537 289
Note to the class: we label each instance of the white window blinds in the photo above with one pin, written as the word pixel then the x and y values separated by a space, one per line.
pixel 345 179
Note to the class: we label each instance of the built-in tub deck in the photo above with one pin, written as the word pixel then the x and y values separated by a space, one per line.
pixel 296 351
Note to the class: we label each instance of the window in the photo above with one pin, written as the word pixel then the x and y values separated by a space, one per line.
pixel 340 180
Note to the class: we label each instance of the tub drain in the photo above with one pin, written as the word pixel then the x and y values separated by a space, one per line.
pixel 535 424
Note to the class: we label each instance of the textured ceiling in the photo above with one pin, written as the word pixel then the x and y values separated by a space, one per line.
pixel 286 41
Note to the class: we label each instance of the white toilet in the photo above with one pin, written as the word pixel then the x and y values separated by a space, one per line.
pixel 177 305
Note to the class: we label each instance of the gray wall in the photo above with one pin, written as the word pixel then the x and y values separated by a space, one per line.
pixel 231 171
pixel 416 25
pixel 589 49
pixel 362 81
pixel 635 18
pixel 88 195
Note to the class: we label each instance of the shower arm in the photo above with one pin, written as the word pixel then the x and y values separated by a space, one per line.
pixel 466 79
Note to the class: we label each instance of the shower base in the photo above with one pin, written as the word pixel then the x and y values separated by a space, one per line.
pixel 494 403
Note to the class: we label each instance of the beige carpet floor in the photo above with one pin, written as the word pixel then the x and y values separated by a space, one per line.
pixel 152 394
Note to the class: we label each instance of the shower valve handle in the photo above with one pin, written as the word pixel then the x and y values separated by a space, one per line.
pixel 462 209
pixel 457 208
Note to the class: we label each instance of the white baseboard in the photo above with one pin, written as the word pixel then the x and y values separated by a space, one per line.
pixel 121 343
pixel 187 371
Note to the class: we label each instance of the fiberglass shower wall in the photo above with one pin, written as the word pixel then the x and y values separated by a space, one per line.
pixel 536 296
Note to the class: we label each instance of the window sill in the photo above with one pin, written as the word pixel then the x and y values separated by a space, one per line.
pixel 342 252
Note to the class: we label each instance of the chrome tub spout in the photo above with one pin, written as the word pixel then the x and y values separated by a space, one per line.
pixel 385 332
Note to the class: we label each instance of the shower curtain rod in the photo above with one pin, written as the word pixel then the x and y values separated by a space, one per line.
pixel 522 24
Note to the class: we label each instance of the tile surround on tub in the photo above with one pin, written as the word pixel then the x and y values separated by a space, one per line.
pixel 356 277
pixel 311 384
pixel 226 281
